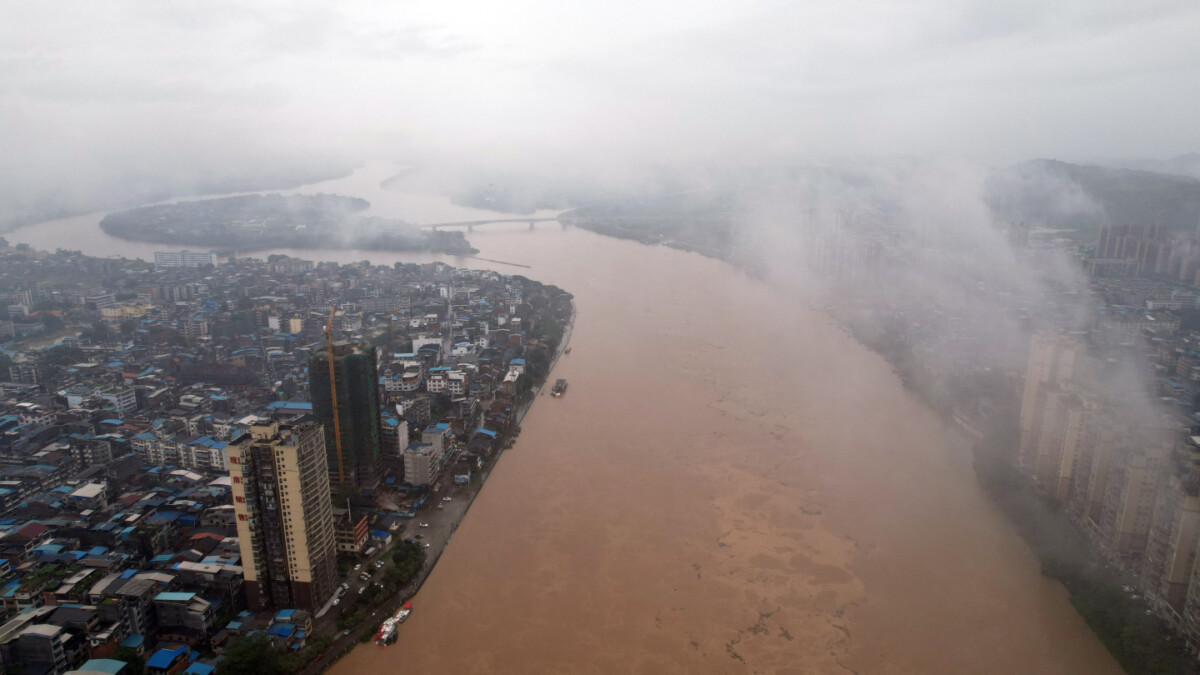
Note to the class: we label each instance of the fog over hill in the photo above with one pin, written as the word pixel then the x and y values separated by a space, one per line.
pixel 116 105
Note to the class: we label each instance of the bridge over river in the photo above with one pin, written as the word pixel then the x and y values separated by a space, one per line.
pixel 471 224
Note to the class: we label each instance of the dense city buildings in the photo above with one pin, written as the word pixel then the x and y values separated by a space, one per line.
pixel 1110 418
pixel 166 479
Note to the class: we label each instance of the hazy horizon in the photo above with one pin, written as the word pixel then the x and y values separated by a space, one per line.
pixel 104 104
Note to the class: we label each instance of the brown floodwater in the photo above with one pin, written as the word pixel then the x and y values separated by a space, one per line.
pixel 732 484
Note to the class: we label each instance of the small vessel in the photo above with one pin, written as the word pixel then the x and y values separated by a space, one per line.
pixel 560 388
pixel 568 351
pixel 387 630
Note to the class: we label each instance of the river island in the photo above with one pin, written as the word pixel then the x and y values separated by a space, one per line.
pixel 256 222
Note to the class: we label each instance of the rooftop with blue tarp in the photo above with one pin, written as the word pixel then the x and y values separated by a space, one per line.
pixel 210 442
pixel 285 614
pixel 174 596
pixel 199 669
pixel 165 517
pixel 283 630
pixel 163 658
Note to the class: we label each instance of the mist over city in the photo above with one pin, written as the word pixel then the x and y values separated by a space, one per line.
pixel 716 337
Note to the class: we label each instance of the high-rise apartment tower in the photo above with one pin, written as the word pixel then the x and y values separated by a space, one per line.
pixel 356 462
pixel 284 513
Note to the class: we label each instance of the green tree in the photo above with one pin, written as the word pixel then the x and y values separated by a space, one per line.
pixel 252 655
pixel 136 663
pixel 51 321
pixel 98 333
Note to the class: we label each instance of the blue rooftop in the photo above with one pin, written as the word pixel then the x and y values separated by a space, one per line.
pixel 111 666
pixel 199 669
pixel 163 658
pixel 290 405
pixel 171 596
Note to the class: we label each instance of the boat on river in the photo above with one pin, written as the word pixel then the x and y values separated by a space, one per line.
pixel 560 388
pixel 387 630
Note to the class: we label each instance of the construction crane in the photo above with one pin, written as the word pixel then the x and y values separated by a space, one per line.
pixel 337 425
pixel 269 367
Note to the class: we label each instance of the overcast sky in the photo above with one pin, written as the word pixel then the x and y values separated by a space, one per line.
pixel 93 87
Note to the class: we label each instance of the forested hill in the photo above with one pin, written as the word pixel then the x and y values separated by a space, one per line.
pixel 1051 193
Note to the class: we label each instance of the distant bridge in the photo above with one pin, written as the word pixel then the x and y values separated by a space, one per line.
pixel 470 224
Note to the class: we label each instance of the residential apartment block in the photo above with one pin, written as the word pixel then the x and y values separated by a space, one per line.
pixel 281 497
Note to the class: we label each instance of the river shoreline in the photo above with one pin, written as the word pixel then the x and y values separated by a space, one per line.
pixel 717 493
pixel 345 644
